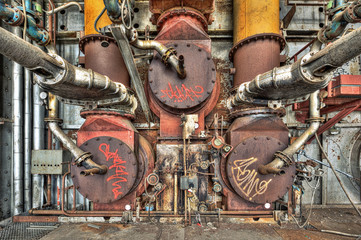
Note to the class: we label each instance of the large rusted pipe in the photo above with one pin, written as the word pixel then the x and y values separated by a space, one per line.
pixel 101 52
pixel 305 76
pixel 256 38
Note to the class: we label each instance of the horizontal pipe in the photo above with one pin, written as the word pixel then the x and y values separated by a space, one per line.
pixel 307 75
pixel 65 6
pixel 60 77
pixel 151 213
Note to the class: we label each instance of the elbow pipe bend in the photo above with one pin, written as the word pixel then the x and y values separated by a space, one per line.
pixel 169 55
pixel 81 158
pixel 65 6
pixel 15 17
pixel 113 9
pixel 284 158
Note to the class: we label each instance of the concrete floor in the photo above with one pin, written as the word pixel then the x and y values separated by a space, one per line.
pixel 337 219
pixel 344 220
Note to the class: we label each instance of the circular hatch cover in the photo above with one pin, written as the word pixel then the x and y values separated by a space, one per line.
pixel 243 175
pixel 186 93
pixel 121 175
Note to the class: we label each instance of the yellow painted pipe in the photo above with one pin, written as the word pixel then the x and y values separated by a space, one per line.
pixel 92 8
pixel 253 17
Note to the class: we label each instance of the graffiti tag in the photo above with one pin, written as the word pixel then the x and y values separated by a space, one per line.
pixel 119 169
pixel 183 93
pixel 247 180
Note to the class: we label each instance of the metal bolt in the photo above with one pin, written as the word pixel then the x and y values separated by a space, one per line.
pixel 304 60
pixel 151 69
pixel 72 176
pixel 304 70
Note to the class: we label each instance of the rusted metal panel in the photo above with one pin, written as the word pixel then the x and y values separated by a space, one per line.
pixel 345 86
pixel 255 57
pixel 250 124
pixel 120 177
pixel 35 218
pixel 242 170
pixel 102 55
pixel 49 161
pixel 188 93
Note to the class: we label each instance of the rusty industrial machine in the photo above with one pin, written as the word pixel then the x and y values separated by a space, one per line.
pixel 188 165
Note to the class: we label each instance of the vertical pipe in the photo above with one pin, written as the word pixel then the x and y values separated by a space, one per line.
pixel 38 136
pixel 18 137
pixel 38 141
pixel 92 9
pixel 256 38
pixel 28 5
pixel 27 139
pixel 175 202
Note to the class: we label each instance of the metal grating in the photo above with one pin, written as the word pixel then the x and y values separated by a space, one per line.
pixel 26 231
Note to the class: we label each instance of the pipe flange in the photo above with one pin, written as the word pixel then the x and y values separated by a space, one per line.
pixel 175 12
pixel 51 119
pixel 17 19
pixel 59 77
pixel 105 112
pixel 252 111
pixel 170 51
pixel 257 37
pixel 350 15
pixel 308 75
pixel 321 35
pixel 315 119
pixel 79 161
pixel 94 37
pixel 284 157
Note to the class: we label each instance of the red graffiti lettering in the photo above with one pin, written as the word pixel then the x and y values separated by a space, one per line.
pixel 119 169
pixel 183 93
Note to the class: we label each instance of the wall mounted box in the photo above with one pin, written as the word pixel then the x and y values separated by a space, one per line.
pixel 50 161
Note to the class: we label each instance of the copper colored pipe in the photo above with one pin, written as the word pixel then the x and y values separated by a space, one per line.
pixel 145 214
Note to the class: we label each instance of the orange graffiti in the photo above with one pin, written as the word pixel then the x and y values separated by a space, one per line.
pixel 119 169
pixel 183 93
